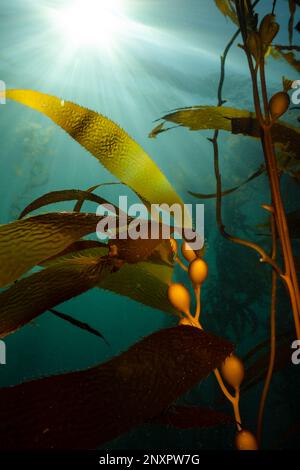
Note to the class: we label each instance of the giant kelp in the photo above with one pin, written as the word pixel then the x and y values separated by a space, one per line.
pixel 82 410
pixel 139 385
pixel 257 43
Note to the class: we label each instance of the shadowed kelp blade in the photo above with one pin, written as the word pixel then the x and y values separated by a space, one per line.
pixel 25 243
pixel 188 417
pixel 55 197
pixel 83 410
pixel 33 295
pixel 146 283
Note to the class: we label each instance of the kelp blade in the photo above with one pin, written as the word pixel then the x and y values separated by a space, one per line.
pixel 83 410
pixel 64 195
pixel 80 248
pixel 25 243
pixel 35 294
pixel 236 121
pixel 77 323
pixel 110 144
pixel 187 417
pixel 146 283
pixel 226 8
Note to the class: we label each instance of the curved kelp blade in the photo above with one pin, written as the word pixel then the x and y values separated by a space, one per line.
pixel 257 173
pixel 146 283
pixel 80 202
pixel 61 196
pixel 77 323
pixel 187 417
pixel 236 121
pixel 41 291
pixel 104 139
pixel 27 242
pixel 82 410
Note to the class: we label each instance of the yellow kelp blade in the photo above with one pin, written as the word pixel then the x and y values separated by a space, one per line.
pixel 146 283
pixel 236 121
pixel 35 294
pixel 27 242
pixel 206 117
pixel 104 139
pixel 226 7
pixel 83 248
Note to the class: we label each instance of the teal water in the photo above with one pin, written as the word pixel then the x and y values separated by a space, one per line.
pixel 170 60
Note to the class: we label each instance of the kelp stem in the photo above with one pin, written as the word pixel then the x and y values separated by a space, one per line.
pixel 272 339
pixel 265 258
pixel 198 302
pixel 290 276
pixel 234 400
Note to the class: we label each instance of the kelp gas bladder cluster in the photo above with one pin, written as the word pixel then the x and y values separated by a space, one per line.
pixel 232 369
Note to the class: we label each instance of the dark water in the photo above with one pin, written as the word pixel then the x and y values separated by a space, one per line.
pixel 170 60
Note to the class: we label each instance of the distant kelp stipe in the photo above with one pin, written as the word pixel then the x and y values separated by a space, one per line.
pixel 82 410
pixel 105 140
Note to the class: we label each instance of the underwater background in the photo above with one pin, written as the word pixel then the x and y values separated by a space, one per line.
pixel 171 59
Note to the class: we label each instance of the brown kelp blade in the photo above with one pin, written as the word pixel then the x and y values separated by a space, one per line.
pixel 256 174
pixel 33 295
pixel 288 56
pixel 82 410
pixel 236 121
pixel 27 242
pixel 77 323
pixel 64 195
pixel 187 417
pixel 80 202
